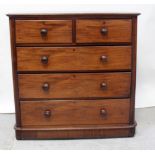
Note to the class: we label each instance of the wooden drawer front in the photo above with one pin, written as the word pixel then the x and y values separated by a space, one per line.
pixel 74 58
pixel 74 85
pixel 43 31
pixel 89 31
pixel 75 112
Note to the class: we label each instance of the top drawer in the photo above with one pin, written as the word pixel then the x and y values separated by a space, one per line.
pixel 43 31
pixel 103 31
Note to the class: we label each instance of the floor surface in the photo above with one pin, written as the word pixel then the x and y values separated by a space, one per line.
pixel 144 138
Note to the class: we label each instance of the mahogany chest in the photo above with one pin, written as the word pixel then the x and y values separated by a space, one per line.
pixel 74 75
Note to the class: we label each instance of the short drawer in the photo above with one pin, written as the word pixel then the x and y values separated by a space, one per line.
pixel 75 112
pixel 103 30
pixel 80 85
pixel 74 58
pixel 43 31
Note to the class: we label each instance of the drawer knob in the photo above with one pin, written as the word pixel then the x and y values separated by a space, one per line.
pixel 45 87
pixel 103 85
pixel 43 32
pixel 47 113
pixel 104 31
pixel 44 59
pixel 103 58
pixel 103 112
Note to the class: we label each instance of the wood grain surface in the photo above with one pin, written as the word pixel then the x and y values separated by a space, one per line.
pixel 90 30
pixel 74 58
pixel 74 85
pixel 29 31
pixel 74 75
pixel 70 112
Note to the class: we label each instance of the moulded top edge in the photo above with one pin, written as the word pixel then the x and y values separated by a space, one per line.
pixel 73 14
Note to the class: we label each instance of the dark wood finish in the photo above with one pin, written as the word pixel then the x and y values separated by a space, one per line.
pixel 72 44
pixel 44 31
pixel 47 113
pixel 75 15
pixel 74 58
pixel 61 132
pixel 44 59
pixel 133 77
pixel 14 68
pixel 74 85
pixel 71 112
pixel 103 30
pixel 91 80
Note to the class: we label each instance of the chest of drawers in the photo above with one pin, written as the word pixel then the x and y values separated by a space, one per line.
pixel 74 75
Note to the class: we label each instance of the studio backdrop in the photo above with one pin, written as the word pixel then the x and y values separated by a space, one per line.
pixel 145 88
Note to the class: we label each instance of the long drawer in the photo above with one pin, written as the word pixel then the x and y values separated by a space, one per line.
pixel 75 112
pixel 74 58
pixel 74 85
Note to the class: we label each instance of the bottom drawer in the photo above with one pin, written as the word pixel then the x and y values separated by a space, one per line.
pixel 75 112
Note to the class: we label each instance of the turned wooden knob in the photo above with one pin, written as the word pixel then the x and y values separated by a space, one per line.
pixel 103 112
pixel 104 31
pixel 43 32
pixel 47 113
pixel 45 87
pixel 103 58
pixel 44 59
pixel 103 85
